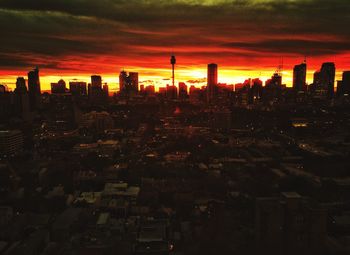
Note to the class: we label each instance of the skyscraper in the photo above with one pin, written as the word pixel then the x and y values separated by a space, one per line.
pixel 328 78
pixel 123 80
pixel 134 81
pixel 96 81
pixel 22 99
pixel 34 88
pixel 106 90
pixel 96 94
pixel 299 77
pixel 212 80
pixel 345 84
pixel 21 85
pixel 128 83
pixel 183 94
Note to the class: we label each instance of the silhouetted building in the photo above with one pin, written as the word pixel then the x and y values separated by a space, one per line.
pixel 275 81
pixel 77 88
pixel 183 94
pixel 324 80
pixel 22 99
pixel 3 89
pixel 134 80
pixel 123 81
pixel 128 83
pixel 173 62
pixel 195 94
pixel 343 87
pixel 106 90
pixel 59 87
pixel 150 90
pixel 328 78
pixel 244 92
pixel 96 81
pixel 256 90
pixel 171 92
pixel 5 101
pixel 212 81
pixel 162 91
pixel 21 85
pixel 142 89
pixel 96 93
pixel 273 88
pixel 299 77
pixel 34 89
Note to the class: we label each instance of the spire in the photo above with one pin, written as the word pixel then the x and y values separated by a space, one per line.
pixel 173 62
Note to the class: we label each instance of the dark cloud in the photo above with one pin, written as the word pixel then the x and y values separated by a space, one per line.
pixel 141 31
pixel 203 80
pixel 146 81
pixel 301 47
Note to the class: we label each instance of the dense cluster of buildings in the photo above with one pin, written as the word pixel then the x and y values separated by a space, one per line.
pixel 224 169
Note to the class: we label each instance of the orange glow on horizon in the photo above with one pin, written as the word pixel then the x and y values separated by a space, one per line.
pixel 228 76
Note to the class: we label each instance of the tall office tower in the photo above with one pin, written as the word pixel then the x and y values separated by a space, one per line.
pixel 183 94
pixel 345 84
pixel 328 78
pixel 21 85
pixel 256 90
pixel 22 99
pixel 134 81
pixel 59 87
pixel 96 94
pixel 299 77
pixel 123 80
pixel 212 80
pixel 77 88
pixel 128 83
pixel 34 89
pixel 106 90
pixel 96 81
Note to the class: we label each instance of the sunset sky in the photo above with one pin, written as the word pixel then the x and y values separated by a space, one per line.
pixel 246 38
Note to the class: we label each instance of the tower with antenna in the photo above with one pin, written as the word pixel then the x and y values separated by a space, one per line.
pixel 173 62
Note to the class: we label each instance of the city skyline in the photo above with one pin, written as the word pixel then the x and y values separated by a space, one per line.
pixel 199 79
pixel 245 38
